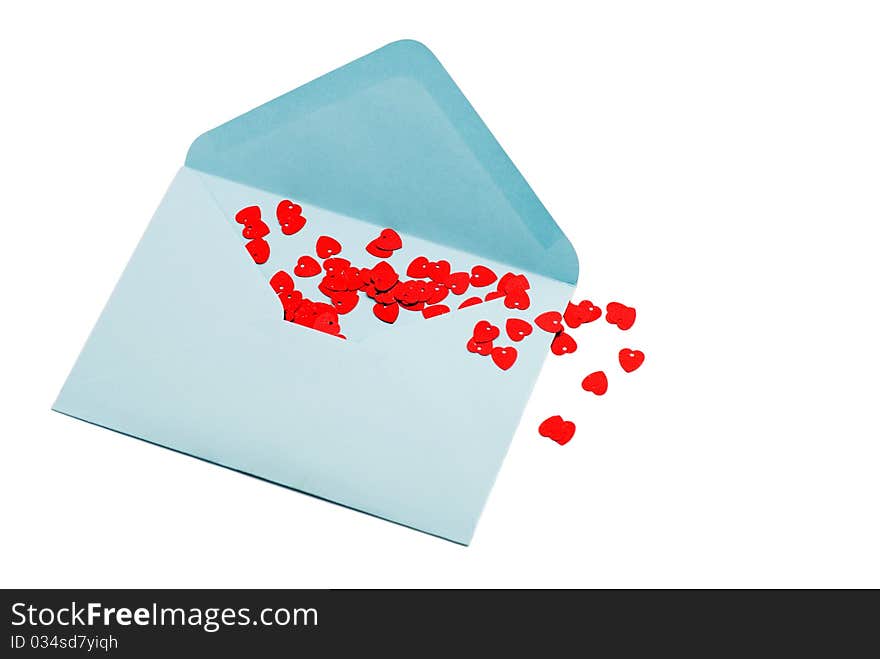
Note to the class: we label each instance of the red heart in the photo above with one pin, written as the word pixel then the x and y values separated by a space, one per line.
pixel 482 276
pixel 596 382
pixel 327 247
pixel 485 331
pixel 494 295
pixel 435 310
pixel 384 276
pixel 344 301
pixel 374 249
pixel 518 329
pixel 290 302
pixel 281 281
pixel 259 250
pixel 255 229
pixel 504 357
pixel 471 301
pixel 306 266
pixel 418 267
pixel 437 292
pixel 517 299
pixel 458 282
pixel 336 265
pixel 418 306
pixel 582 312
pixel 306 312
pixel 511 282
pixel 630 360
pixel 563 344
pixel 290 217
pixel 620 315
pixel 439 270
pixel 550 321
pixel 557 429
pixel 408 292
pixel 479 348
pixel 386 297
pixel 327 322
pixel 248 214
pixel 386 312
pixel 388 240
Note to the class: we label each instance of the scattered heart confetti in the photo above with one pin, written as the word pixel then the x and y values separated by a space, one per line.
pixel 484 348
pixel 384 276
pixel 249 214
pixel 374 249
pixel 439 271
pixel 583 312
pixel 630 360
pixel 435 310
pixel 418 267
pixel 281 282
pixel 255 229
pixel 386 312
pixel 504 357
pixel 389 240
pixel 620 315
pixel 596 383
pixel 290 217
pixel 563 344
pixel 327 247
pixel 517 328
pixel 550 321
pixel 471 301
pixel 482 276
pixel 306 266
pixel 485 331
pixel 458 282
pixel 557 429
pixel 494 295
pixel 259 250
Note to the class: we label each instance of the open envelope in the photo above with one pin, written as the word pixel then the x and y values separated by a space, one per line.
pixel 400 421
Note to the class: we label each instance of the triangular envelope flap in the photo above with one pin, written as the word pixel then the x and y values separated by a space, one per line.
pixel 390 139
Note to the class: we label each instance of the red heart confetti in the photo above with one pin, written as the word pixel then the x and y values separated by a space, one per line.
pixel 439 271
pixel 259 250
pixel 583 312
pixel 418 267
pixel 384 276
pixel 517 328
pixel 249 214
pixel 494 295
pixel 563 344
pixel 281 282
pixel 344 301
pixel 504 357
pixel 327 322
pixel 484 348
pixel 471 301
pixel 620 315
pixel 482 276
pixel 485 331
pixel 435 310
pixel 335 266
pixel 630 360
pixel 306 266
pixel 327 247
pixel 290 217
pixel 557 429
pixel 596 383
pixel 386 312
pixel 458 282
pixel 388 240
pixel 374 249
pixel 255 229
pixel 550 321
pixel 517 299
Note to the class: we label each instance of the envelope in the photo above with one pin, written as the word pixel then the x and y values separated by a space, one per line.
pixel 192 351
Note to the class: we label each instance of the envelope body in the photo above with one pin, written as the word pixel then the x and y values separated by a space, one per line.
pixel 400 421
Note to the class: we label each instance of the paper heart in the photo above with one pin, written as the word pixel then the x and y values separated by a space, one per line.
pixel 471 301
pixel 290 217
pixel 327 322
pixel 483 349
pixel 439 270
pixel 255 229
pixel 336 265
pixel 504 357
pixel 485 331
pixel 306 266
pixel 248 214
pixel 511 282
pixel 435 310
pixel 563 344
pixel 374 249
pixel 408 292
pixel 386 312
pixel 630 360
pixel 596 383
pixel 518 329
pixel 384 276
pixel 290 302
pixel 259 250
pixel 620 315
pixel 557 429
pixel 437 292
pixel 458 282
pixel 418 267
pixel 344 301
pixel 583 312
pixel 388 240
pixel 482 276
pixel 281 282
pixel 327 247
pixel 517 299
pixel 550 321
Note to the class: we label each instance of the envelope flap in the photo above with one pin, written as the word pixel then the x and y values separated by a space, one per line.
pixel 391 140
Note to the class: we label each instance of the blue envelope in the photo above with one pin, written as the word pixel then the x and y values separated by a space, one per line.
pixel 399 421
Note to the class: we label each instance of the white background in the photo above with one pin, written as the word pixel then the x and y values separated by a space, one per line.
pixel 715 165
